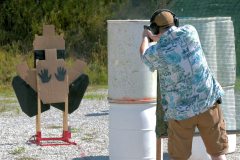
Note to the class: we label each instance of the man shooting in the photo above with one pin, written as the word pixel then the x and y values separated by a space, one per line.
pixel 190 94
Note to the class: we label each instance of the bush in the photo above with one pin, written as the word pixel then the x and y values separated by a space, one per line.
pixel 83 23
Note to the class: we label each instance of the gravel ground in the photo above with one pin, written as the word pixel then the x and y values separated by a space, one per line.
pixel 89 125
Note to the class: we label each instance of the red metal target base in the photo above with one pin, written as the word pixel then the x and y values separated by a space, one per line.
pixel 65 138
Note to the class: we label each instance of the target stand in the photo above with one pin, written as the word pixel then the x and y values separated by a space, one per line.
pixel 66 135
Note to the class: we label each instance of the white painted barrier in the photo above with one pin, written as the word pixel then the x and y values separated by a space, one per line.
pixel 131 126
pixel 132 131
pixel 129 79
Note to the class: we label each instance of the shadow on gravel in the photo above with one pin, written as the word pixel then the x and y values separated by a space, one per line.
pixel 93 158
pixel 8 144
pixel 98 114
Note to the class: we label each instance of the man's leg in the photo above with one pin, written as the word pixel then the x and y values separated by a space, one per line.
pixel 180 135
pixel 212 127
pixel 222 157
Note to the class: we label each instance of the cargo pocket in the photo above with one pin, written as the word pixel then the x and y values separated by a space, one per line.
pixel 223 133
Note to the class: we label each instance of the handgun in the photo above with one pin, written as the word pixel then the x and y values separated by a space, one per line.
pixel 148 27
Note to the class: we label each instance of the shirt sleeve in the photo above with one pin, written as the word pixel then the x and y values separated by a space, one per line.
pixel 150 58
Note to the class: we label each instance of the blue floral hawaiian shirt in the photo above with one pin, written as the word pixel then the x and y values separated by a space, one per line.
pixel 187 85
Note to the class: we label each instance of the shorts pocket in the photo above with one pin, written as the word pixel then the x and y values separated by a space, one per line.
pixel 223 133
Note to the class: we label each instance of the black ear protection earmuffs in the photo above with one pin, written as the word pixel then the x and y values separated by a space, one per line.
pixel 154 27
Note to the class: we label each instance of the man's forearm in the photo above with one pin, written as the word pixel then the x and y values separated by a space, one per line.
pixel 144 46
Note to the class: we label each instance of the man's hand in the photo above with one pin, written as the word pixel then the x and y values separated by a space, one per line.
pixel 144 45
pixel 145 33
pixel 154 37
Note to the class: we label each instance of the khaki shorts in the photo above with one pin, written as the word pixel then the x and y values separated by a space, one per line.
pixel 211 126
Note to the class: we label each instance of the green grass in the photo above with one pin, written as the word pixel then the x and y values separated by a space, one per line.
pixel 25 158
pixel 89 137
pixel 18 111
pixel 53 127
pixel 90 134
pixel 6 108
pixel 86 139
pixel 3 109
pixel 18 151
pixel 75 130
pixel 6 105
pixel 7 92
pixel 7 101
pixel 93 88
pixel 94 96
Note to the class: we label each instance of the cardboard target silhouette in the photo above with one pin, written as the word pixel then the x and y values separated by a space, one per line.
pixel 51 82
pixel 52 78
